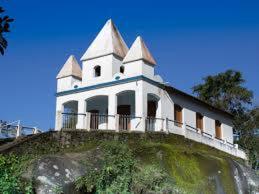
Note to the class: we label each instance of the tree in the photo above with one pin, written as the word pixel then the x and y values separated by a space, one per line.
pixel 226 91
pixel 4 28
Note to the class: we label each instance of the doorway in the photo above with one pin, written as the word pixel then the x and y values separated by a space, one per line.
pixel 124 116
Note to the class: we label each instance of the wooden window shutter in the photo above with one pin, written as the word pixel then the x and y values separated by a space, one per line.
pixel 199 121
pixel 218 129
pixel 178 115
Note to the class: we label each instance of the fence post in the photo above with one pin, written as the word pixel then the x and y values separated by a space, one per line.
pixel 88 121
pixel 143 124
pixel 19 129
pixel 58 125
pixel 166 125
pixel 184 129
pixel 116 119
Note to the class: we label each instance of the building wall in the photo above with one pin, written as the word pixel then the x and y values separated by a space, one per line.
pixel 67 83
pixel 139 67
pixel 165 105
pixel 189 117
pixel 105 63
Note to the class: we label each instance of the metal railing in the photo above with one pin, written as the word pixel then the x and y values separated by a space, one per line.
pixel 125 122
pixel 206 134
pixel 69 120
pixel 170 124
pixel 154 124
pixel 99 121
pixel 219 139
pixel 189 127
pixel 15 129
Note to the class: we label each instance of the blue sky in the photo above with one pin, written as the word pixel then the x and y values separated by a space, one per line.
pixel 189 40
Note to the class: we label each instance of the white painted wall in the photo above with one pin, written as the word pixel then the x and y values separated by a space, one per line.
pixel 139 67
pixel 189 117
pixel 67 83
pixel 105 63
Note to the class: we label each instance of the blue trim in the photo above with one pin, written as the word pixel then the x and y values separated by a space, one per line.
pixel 107 84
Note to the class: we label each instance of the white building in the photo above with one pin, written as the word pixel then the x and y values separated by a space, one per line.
pixel 117 89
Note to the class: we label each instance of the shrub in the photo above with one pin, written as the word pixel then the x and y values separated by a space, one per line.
pixel 11 168
pixel 115 174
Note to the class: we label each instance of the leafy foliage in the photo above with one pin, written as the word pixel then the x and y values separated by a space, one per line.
pixel 11 168
pixel 115 174
pixel 121 173
pixel 151 179
pixel 248 139
pixel 4 28
pixel 225 91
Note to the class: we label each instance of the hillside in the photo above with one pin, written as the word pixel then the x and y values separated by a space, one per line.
pixel 120 162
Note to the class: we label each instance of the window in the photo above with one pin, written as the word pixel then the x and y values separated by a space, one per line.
pixel 178 115
pixel 218 129
pixel 122 69
pixel 199 121
pixel 97 71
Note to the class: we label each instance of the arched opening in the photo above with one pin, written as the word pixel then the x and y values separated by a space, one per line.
pixel 97 71
pixel 152 112
pixel 126 109
pixel 69 115
pixel 122 69
pixel 98 107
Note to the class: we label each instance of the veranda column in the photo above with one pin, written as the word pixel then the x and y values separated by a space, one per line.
pixel 81 117
pixel 112 112
pixel 59 111
pixel 141 105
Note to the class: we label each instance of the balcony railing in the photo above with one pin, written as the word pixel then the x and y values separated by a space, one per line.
pixel 69 120
pixel 154 124
pixel 99 121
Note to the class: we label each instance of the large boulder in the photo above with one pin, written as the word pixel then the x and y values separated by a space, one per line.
pixel 58 173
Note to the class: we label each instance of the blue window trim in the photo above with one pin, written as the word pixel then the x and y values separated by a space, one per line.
pixel 107 84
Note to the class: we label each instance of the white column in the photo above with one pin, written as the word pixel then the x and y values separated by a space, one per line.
pixel 88 120
pixel 141 105
pixel 59 111
pixel 112 112
pixel 81 115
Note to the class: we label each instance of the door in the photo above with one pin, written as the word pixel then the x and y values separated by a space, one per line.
pixel 151 113
pixel 124 116
pixel 151 110
pixel 94 119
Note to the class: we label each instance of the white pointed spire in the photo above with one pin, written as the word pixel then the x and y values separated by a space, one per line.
pixel 108 41
pixel 139 51
pixel 70 68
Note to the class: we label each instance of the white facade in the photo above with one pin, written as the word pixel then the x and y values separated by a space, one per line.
pixel 117 89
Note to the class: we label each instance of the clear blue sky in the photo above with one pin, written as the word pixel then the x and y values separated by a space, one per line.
pixel 189 40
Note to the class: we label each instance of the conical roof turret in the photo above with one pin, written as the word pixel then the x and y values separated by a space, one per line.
pixel 70 68
pixel 108 41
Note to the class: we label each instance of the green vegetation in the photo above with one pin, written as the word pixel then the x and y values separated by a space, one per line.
pixel 11 168
pixel 4 28
pixel 122 173
pixel 161 164
pixel 114 175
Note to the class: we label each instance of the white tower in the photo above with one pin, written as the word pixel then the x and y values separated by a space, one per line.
pixel 70 75
pixel 139 60
pixel 104 56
